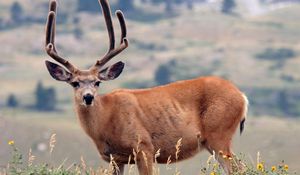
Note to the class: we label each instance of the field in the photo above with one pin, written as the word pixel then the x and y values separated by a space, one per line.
pixel 275 139
pixel 201 40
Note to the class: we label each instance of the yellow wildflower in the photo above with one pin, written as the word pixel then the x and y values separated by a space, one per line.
pixel 212 173
pixel 260 167
pixel 11 142
pixel 273 168
pixel 286 167
pixel 215 166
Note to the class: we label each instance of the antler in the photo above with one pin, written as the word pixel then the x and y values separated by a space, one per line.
pixel 50 37
pixel 112 51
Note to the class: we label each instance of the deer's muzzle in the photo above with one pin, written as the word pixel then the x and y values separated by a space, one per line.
pixel 88 99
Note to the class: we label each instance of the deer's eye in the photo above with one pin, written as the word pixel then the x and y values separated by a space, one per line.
pixel 75 84
pixel 97 84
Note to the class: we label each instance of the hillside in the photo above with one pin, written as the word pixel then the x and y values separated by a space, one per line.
pixel 202 42
pixel 199 42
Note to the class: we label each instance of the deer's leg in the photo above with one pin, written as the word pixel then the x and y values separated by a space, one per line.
pixel 145 162
pixel 119 170
pixel 216 143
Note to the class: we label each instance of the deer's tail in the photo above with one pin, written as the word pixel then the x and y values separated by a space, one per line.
pixel 245 111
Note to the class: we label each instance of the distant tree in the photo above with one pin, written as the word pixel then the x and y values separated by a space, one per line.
pixel 169 4
pixel 76 20
pixel 78 33
pixel 1 24
pixel 189 4
pixel 77 29
pixel 45 98
pixel 228 6
pixel 125 5
pixel 93 5
pixel 88 5
pixel 283 103
pixel 16 12
pixel 163 75
pixel 280 54
pixel 12 101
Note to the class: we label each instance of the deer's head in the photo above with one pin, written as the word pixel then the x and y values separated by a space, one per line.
pixel 85 82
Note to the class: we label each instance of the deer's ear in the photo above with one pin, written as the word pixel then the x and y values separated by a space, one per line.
pixel 58 72
pixel 112 72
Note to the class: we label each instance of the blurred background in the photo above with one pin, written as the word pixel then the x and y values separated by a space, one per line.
pixel 255 44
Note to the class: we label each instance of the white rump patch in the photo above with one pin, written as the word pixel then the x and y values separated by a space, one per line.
pixel 246 104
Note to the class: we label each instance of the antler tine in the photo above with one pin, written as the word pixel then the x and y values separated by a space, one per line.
pixel 122 25
pixel 109 25
pixel 50 37
pixel 108 20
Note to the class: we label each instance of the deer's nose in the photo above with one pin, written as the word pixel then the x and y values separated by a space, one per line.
pixel 88 99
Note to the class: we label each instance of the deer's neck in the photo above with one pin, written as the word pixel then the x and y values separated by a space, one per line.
pixel 91 117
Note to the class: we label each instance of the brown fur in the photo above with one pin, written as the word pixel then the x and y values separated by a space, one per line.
pixel 204 112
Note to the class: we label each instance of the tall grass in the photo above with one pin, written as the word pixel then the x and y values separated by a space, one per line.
pixel 18 166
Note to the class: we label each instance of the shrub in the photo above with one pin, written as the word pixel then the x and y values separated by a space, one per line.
pixel 228 6
pixel 280 54
pixel 88 5
pixel 45 98
pixel 12 101
pixel 16 12
pixel 78 33
pixel 125 5
pixel 162 75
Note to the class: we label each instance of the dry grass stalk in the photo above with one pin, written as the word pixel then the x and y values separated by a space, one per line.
pixel 83 164
pixel 258 158
pixel 137 150
pixel 145 159
pixel 155 167
pixel 157 154
pixel 31 158
pixel 178 145
pixel 52 142
pixel 168 163
pixel 130 167
pixel 113 166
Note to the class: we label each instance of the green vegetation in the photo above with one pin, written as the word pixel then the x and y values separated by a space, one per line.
pixel 280 54
pixel 179 69
pixel 276 102
pixel 163 75
pixel 18 166
pixel 12 101
pixel 88 5
pixel 126 5
pixel 17 12
pixel 169 4
pixel 228 6
pixel 45 98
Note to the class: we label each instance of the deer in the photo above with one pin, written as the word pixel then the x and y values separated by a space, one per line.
pixel 203 113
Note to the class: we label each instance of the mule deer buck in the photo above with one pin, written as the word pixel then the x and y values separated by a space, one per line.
pixel 204 112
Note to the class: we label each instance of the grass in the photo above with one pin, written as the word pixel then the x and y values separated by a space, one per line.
pixel 19 166
pixel 274 137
